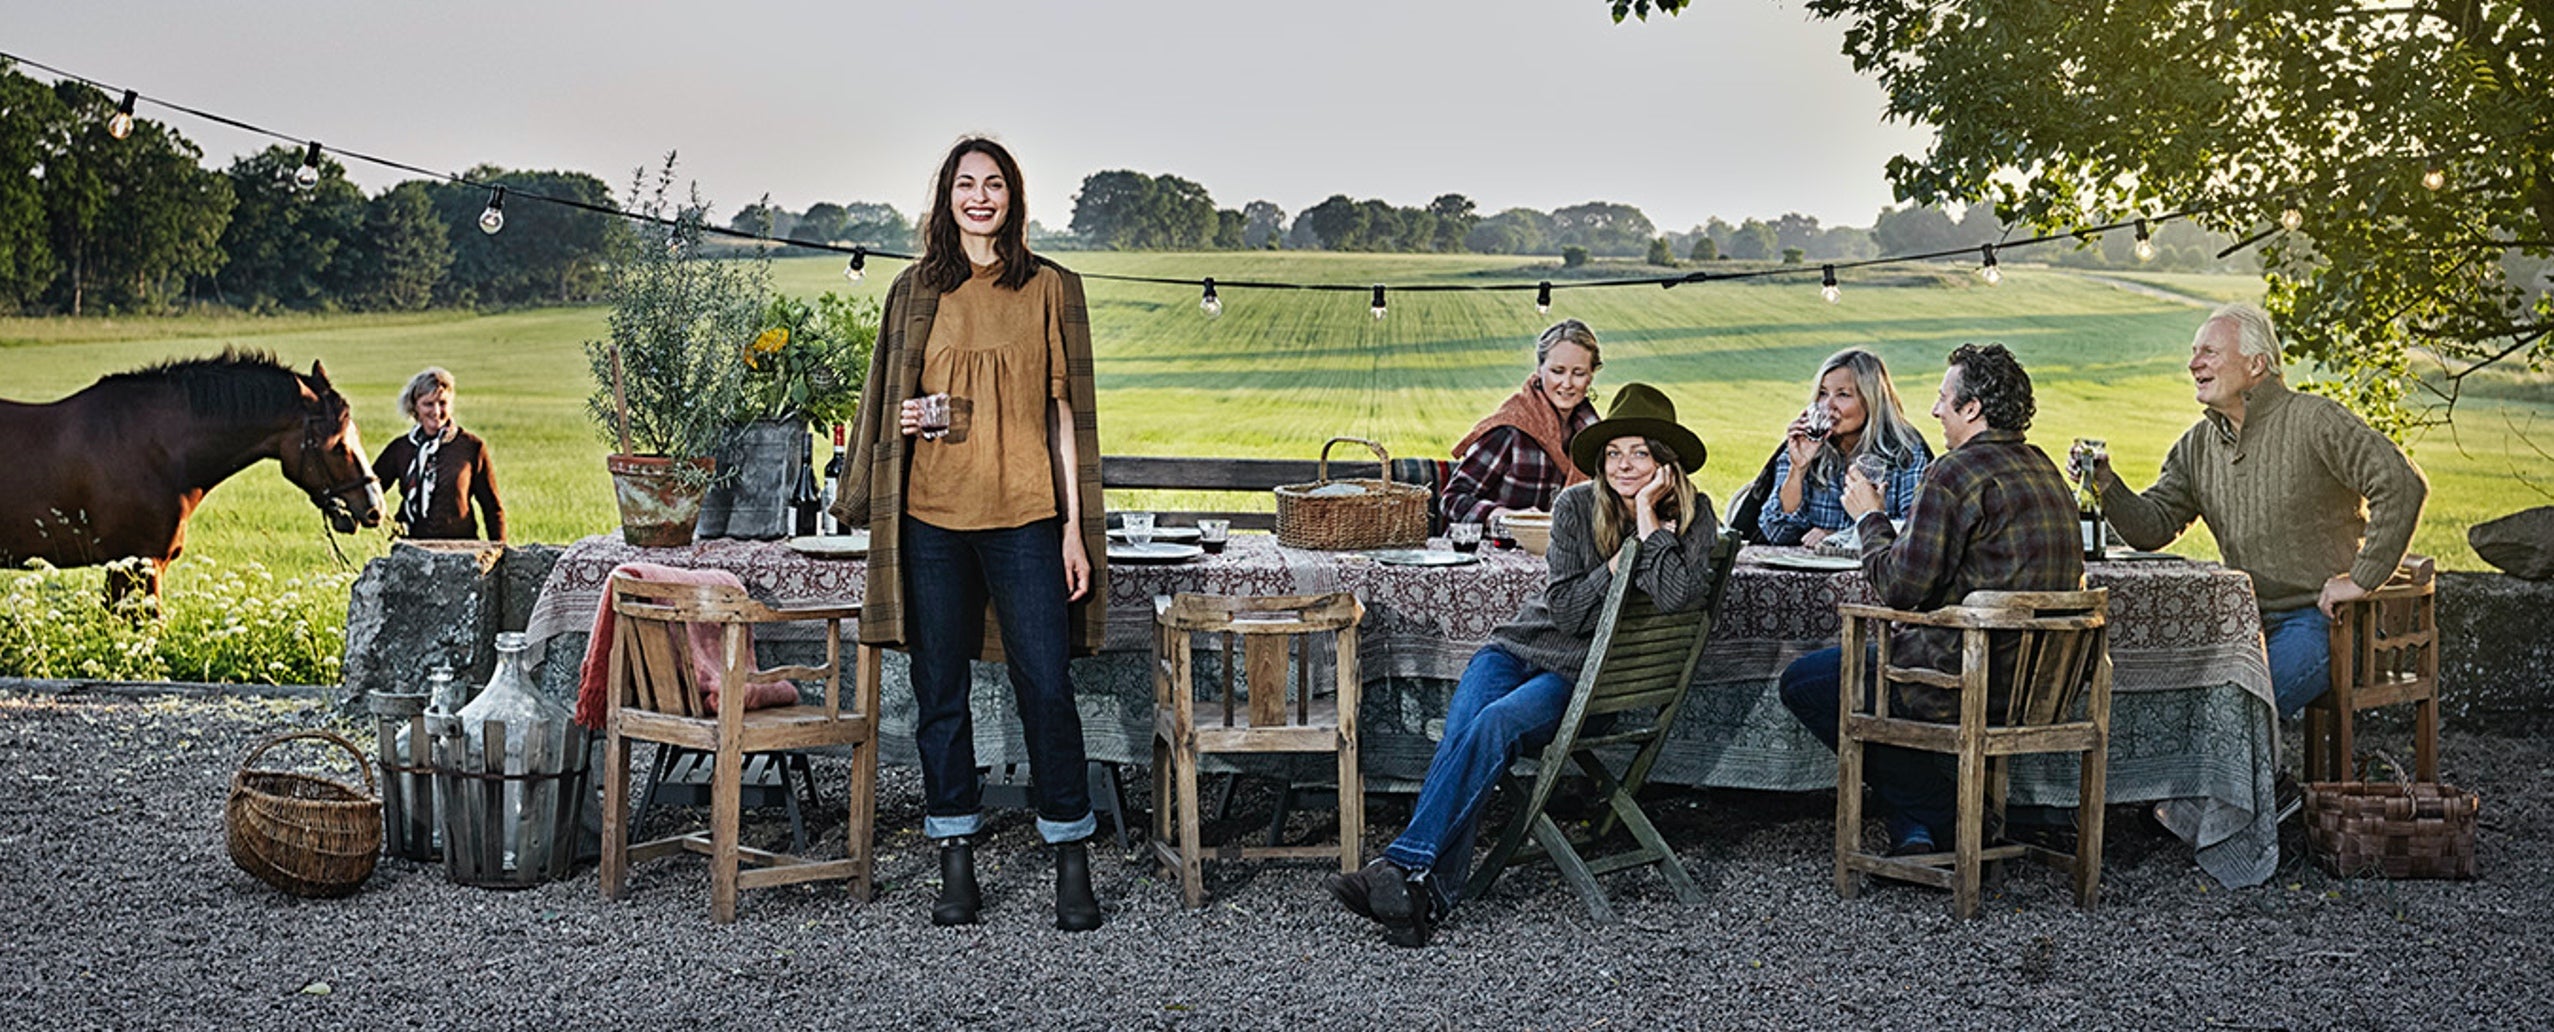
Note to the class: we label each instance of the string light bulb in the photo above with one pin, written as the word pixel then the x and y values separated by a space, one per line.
pixel 2435 179
pixel 1213 306
pixel 1543 298
pixel 307 176
pixel 1378 302
pixel 493 218
pixel 2145 243
pixel 1989 271
pixel 1827 285
pixel 121 124
pixel 859 258
pixel 2291 218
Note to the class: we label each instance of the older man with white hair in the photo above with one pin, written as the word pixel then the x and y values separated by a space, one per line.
pixel 2300 492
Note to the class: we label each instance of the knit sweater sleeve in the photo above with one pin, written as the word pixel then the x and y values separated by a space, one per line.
pixel 2152 518
pixel 1579 576
pixel 2357 455
pixel 1674 568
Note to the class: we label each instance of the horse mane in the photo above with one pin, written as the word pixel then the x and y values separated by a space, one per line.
pixel 239 383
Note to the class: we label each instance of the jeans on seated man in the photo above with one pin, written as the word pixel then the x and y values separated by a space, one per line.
pixel 2299 492
pixel 1992 514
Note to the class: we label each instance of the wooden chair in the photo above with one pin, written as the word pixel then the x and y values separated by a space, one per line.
pixel 656 697
pixel 1271 723
pixel 2061 655
pixel 2385 652
pixel 1642 661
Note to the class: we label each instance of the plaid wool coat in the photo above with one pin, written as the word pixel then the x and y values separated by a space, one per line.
pixel 873 484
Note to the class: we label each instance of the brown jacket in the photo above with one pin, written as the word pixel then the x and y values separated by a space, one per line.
pixel 463 475
pixel 873 483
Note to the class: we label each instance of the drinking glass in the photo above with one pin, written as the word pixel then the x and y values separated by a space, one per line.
pixel 1138 527
pixel 1873 468
pixel 1465 537
pixel 1822 421
pixel 1212 533
pixel 935 416
pixel 2085 456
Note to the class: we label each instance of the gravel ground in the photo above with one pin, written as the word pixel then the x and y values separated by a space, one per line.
pixel 131 916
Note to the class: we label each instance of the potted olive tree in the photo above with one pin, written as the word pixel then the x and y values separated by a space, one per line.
pixel 801 372
pixel 675 317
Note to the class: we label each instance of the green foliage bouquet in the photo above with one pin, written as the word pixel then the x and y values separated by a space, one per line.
pixel 675 316
pixel 807 363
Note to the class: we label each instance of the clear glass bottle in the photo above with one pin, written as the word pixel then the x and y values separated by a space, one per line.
pixel 526 713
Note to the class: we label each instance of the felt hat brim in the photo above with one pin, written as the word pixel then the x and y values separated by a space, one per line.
pixel 1639 410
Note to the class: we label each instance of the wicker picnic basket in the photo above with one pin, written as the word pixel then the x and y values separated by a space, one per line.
pixel 1352 514
pixel 304 834
pixel 2396 829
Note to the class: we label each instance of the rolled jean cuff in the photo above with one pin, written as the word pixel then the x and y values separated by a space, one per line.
pixel 1409 859
pixel 1064 831
pixel 952 827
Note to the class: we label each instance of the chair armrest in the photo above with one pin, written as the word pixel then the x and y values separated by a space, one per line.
pixel 771 614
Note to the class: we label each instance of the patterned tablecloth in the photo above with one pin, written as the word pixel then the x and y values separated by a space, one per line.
pixel 2190 725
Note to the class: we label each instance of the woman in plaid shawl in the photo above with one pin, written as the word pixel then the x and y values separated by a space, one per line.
pixel 1518 458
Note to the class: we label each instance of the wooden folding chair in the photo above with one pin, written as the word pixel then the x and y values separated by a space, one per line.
pixel 2061 655
pixel 656 697
pixel 1641 662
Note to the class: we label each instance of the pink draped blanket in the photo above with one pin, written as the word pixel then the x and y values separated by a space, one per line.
pixel 706 651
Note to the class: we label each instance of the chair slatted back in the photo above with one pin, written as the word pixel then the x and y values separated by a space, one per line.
pixel 2059 639
pixel 652 621
pixel 1642 657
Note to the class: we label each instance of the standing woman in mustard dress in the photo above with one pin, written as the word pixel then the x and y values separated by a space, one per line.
pixel 1000 509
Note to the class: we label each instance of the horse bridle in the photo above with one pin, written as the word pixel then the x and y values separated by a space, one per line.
pixel 329 500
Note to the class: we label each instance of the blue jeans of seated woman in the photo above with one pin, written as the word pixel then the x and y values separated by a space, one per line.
pixel 1501 706
pixel 949 575
pixel 2300 646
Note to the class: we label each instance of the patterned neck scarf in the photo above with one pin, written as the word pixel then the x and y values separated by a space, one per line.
pixel 418 487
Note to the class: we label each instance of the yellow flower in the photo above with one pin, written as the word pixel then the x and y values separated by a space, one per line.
pixel 772 340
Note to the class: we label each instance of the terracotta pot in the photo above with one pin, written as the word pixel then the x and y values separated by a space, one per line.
pixel 658 509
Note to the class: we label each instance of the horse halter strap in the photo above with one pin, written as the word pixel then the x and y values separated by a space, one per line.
pixel 322 496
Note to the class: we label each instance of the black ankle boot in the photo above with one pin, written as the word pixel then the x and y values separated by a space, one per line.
pixel 1075 909
pixel 959 899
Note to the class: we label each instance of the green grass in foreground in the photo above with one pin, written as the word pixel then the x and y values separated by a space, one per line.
pixel 1282 371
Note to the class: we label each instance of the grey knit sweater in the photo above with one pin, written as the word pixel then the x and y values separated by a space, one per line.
pixel 1554 629
pixel 2303 492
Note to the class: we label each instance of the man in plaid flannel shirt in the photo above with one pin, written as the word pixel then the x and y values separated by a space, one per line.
pixel 1992 514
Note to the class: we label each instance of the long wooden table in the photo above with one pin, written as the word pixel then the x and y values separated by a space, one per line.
pixel 2191 722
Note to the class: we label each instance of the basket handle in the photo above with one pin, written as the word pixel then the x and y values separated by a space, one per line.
pixel 370 786
pixel 1321 472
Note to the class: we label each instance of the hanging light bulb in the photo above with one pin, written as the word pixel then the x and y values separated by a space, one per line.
pixel 2436 179
pixel 307 176
pixel 1213 306
pixel 2291 218
pixel 1543 298
pixel 492 218
pixel 859 257
pixel 1989 272
pixel 2145 243
pixel 1827 285
pixel 121 124
pixel 1378 302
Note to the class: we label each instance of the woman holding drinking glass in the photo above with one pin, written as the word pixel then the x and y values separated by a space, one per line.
pixel 1853 412
pixel 985 489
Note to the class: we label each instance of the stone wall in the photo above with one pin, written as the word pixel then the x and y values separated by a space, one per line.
pixel 439 602
pixel 2496 655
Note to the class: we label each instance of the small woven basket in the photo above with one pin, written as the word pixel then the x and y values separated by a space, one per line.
pixel 2396 829
pixel 1382 514
pixel 304 834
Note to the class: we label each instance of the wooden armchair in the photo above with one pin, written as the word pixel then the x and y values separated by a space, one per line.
pixel 656 696
pixel 2060 655
pixel 1642 663
pixel 2385 652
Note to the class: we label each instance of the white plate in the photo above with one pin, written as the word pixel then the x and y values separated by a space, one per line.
pixel 832 546
pixel 1155 552
pixel 1422 557
pixel 1159 533
pixel 2144 557
pixel 1818 563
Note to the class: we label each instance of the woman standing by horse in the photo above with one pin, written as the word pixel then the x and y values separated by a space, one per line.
pixel 115 470
pixel 442 470
pixel 985 488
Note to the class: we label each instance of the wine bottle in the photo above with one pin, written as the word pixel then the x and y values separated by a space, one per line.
pixel 2088 498
pixel 802 502
pixel 825 522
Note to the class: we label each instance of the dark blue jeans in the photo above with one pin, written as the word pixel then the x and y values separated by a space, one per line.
pixel 2299 642
pixel 949 575
pixel 1501 706
pixel 1920 788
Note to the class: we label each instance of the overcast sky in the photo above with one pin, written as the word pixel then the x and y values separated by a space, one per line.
pixel 1736 108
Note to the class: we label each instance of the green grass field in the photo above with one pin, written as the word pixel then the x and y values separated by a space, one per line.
pixel 1283 371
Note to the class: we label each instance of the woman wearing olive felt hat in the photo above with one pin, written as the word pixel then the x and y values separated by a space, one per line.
pixel 1512 695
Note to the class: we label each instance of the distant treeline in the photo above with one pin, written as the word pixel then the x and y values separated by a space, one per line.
pixel 1131 211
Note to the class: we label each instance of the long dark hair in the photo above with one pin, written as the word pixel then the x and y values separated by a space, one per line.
pixel 944 262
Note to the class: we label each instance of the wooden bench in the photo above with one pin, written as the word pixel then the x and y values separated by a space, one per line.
pixel 1255 478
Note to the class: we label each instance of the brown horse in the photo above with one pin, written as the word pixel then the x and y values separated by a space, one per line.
pixel 114 471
